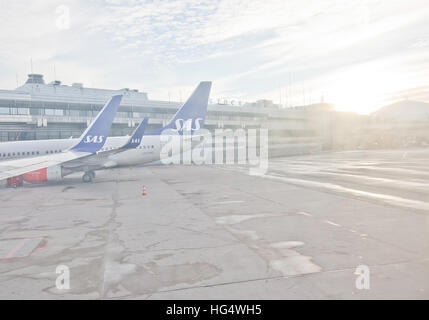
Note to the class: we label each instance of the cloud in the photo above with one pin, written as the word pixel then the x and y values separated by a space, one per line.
pixel 250 48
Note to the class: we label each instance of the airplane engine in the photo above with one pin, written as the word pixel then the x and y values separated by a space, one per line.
pixel 43 175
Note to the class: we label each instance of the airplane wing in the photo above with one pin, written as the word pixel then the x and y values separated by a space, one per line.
pixel 89 143
pixel 13 168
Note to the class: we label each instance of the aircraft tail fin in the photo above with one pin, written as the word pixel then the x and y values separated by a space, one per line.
pixel 137 135
pixel 95 135
pixel 191 116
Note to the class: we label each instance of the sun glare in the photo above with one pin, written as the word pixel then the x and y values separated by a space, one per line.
pixel 361 89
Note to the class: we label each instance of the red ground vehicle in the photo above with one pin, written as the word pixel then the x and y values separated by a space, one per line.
pixel 15 182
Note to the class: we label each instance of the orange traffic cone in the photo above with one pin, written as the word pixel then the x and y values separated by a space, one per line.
pixel 144 192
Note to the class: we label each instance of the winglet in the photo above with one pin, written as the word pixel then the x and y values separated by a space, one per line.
pixel 95 135
pixel 137 135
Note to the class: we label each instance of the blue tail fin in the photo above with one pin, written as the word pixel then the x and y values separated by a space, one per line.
pixel 137 135
pixel 95 135
pixel 192 115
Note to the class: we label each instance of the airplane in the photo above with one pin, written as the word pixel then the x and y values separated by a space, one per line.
pixel 189 118
pixel 91 141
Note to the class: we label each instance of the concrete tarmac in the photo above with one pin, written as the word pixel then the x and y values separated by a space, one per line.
pixel 216 232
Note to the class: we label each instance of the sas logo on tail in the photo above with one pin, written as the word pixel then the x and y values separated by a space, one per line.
pixel 94 139
pixel 182 125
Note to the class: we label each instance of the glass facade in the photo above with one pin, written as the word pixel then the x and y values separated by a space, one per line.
pixel 69 119
pixel 125 112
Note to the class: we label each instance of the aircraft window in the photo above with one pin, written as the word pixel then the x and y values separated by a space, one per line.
pixel 28 153
pixel 47 151
pixel 32 152
pixel 19 153
pixel 13 154
pixel 153 146
pixel 37 152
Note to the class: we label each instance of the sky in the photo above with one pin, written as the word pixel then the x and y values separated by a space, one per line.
pixel 358 55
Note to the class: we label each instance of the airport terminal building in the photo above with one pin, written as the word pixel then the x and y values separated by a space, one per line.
pixel 37 110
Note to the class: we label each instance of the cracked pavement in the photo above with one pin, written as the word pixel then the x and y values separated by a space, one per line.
pixel 213 232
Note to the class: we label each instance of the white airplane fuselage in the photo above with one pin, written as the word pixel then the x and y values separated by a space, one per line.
pixel 148 150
